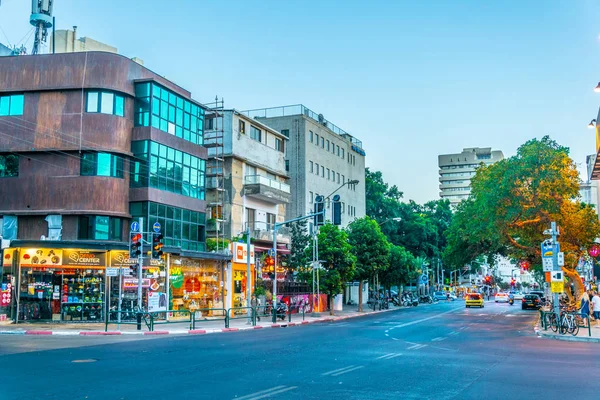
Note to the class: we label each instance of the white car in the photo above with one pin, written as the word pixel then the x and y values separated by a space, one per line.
pixel 517 295
pixel 501 298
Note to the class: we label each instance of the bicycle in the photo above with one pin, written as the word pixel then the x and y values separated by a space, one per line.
pixel 568 323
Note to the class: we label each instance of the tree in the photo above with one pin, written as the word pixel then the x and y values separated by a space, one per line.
pixel 401 264
pixel 382 201
pixel 337 259
pixel 514 200
pixel 371 249
pixel 300 239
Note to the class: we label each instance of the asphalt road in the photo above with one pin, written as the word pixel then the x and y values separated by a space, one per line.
pixel 442 351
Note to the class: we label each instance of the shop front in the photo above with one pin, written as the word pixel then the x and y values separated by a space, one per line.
pixel 237 273
pixel 57 284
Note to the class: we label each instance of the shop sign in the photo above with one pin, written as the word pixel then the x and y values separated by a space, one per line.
pixel 5 294
pixel 130 283
pixel 83 258
pixel 240 253
pixel 121 259
pixel 41 257
pixel 8 257
pixel 112 271
pixel 176 277
pixel 157 301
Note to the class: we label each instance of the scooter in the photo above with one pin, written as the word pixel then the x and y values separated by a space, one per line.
pixel 511 301
pixel 282 310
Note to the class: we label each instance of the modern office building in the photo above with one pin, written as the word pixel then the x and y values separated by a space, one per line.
pixel 456 171
pixel 89 143
pixel 321 159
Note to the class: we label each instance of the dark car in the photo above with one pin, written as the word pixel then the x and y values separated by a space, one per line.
pixel 539 293
pixel 531 301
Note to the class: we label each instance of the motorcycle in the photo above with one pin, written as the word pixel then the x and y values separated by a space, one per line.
pixel 282 310
pixel 511 301
pixel 425 299
pixel 415 301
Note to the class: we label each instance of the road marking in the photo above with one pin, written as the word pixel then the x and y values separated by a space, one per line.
pixel 424 319
pixel 462 328
pixel 266 393
pixel 337 370
pixel 389 356
pixel 385 355
pixel 453 333
pixel 417 347
pixel 348 370
pixel 438 339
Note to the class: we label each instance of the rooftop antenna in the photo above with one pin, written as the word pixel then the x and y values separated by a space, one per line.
pixel 41 18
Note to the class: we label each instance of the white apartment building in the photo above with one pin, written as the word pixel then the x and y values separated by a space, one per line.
pixel 456 171
pixel 588 189
pixel 321 159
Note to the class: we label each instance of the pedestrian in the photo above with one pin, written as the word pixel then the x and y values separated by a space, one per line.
pixel 584 309
pixel 254 303
pixel 596 308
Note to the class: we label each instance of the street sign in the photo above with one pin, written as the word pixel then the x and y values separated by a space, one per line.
pixel 135 227
pixel 548 248
pixel 557 276
pixel 561 259
pixel 271 253
pixel 156 227
pixel 547 264
pixel 112 271
pixel 557 287
pixel 424 279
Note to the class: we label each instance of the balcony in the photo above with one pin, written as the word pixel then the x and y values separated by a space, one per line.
pixel 267 189
pixel 214 182
pixel 263 231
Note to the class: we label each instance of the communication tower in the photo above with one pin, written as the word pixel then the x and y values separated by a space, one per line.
pixel 41 18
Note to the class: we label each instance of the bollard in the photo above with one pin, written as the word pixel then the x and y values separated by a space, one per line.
pixel 139 321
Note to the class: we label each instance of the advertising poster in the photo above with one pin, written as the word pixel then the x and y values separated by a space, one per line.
pixel 157 301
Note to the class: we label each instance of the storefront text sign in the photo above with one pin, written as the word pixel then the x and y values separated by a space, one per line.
pixel 8 257
pixel 41 257
pixel 240 253
pixel 121 259
pixel 84 258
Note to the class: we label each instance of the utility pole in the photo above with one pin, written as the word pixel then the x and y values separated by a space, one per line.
pixel 140 265
pixel 248 273
pixel 555 267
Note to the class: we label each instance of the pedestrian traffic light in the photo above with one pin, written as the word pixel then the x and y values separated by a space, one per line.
pixel 135 245
pixel 337 210
pixel 133 269
pixel 157 246
pixel 319 210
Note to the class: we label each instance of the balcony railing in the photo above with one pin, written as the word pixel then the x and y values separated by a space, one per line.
pixel 263 180
pixel 264 231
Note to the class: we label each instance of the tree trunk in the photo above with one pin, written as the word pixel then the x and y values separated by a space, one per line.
pixel 360 287
pixel 573 275
pixel 331 305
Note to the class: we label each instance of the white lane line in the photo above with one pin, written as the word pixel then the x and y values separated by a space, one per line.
pixel 385 355
pixel 392 356
pixel 424 319
pixel 348 370
pixel 272 393
pixel 387 330
pixel 462 328
pixel 417 347
pixel 249 396
pixel 395 338
pixel 411 343
pixel 438 339
pixel 387 334
pixel 337 370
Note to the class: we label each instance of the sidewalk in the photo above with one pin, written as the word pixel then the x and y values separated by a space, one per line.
pixel 181 328
pixel 582 336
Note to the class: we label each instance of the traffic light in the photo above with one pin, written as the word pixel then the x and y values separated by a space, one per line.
pixel 319 210
pixel 512 281
pixel 135 245
pixel 525 265
pixel 337 210
pixel 133 269
pixel 157 246
pixel 488 279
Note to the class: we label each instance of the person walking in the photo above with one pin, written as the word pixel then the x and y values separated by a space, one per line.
pixel 584 309
pixel 596 308
pixel 254 303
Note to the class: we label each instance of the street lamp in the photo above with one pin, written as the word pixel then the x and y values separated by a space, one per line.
pixel 391 219
pixel 592 124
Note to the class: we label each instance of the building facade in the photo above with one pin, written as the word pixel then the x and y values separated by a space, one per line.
pixel 321 159
pixel 456 171
pixel 246 186
pixel 89 143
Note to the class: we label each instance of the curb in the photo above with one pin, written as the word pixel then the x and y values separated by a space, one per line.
pixel 189 332
pixel 585 339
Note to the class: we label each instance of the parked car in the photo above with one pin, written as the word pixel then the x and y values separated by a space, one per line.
pixel 501 298
pixel 473 300
pixel 531 301
pixel 443 296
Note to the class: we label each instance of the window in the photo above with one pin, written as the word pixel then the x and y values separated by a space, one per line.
pixel 250 217
pixel 322 171
pixel 165 168
pixel 310 197
pixel 343 179
pixel 242 126
pixel 328 174
pixel 250 170
pixel 317 166
pixel 338 150
pixel 311 134
pixel 255 133
pixel 9 165
pixel 317 137
pixel 11 105
pixel 271 220
pixel 343 153
pixel 101 164
pixel 338 177
pixel 310 163
pixel 181 227
pixel 322 142
pixel 328 145
pixel 99 227
pixel 162 109
pixel 287 165
pixel 285 132
pixel 279 144
pixel 333 175
pixel 105 103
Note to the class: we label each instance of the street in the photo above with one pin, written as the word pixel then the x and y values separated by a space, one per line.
pixel 440 351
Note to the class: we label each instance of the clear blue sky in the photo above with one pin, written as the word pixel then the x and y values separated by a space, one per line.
pixel 411 79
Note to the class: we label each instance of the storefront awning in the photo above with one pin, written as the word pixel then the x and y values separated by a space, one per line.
pixel 281 249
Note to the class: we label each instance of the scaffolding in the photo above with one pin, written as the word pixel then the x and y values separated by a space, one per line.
pixel 215 183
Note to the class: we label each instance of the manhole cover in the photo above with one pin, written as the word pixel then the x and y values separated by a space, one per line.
pixel 85 360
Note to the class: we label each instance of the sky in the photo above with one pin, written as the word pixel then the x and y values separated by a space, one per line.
pixel 411 79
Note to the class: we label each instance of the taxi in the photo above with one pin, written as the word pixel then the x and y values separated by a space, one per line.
pixel 473 300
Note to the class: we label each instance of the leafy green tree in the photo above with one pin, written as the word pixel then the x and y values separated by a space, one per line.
pixel 514 200
pixel 371 248
pixel 401 264
pixel 300 239
pixel 337 259
pixel 382 201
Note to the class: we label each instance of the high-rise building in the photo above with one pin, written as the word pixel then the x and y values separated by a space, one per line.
pixel 321 159
pixel 456 171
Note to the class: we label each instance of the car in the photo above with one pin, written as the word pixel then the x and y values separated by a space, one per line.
pixel 517 295
pixel 501 298
pixel 473 300
pixel 439 296
pixel 539 293
pixel 531 301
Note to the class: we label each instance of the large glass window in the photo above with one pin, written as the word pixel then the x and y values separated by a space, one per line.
pixel 99 227
pixel 162 167
pixel 105 103
pixel 9 165
pixel 11 104
pixel 162 109
pixel 255 133
pixel 101 164
pixel 180 227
